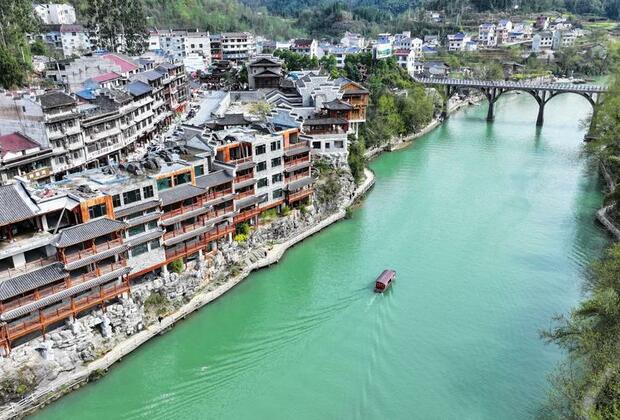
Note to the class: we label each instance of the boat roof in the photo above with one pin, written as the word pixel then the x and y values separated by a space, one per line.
pixel 385 276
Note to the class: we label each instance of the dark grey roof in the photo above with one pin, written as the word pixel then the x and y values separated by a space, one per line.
pixel 185 236
pixel 246 202
pixel 337 105
pixel 299 184
pixel 213 179
pixel 184 216
pixel 149 236
pixel 31 280
pixel 298 166
pixel 150 75
pixel 325 121
pixel 138 88
pixel 149 217
pixel 296 151
pixel 16 204
pixel 145 205
pixel 180 193
pixel 55 99
pixel 245 183
pixel 41 303
pixel 97 257
pixel 89 230
pixel 232 119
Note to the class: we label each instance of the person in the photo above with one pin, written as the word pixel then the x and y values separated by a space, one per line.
pixel 160 318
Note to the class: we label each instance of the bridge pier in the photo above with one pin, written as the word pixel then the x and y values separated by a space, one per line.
pixel 541 98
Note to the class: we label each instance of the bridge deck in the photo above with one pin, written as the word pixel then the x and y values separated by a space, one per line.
pixel 502 84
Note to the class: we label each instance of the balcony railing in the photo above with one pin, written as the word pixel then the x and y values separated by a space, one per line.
pixel 199 224
pixel 95 249
pixel 237 162
pixel 297 161
pixel 245 194
pixel 186 249
pixel 32 265
pixel 299 195
pixel 247 215
pixel 297 145
pixel 297 177
pixel 245 177
pixel 49 317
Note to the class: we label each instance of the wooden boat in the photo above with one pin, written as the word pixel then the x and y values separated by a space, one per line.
pixel 384 280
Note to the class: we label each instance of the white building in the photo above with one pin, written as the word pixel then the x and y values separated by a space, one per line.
pixel 542 41
pixel 75 40
pixel 341 54
pixel 406 60
pixel 180 44
pixel 487 35
pixel 353 40
pixel 308 47
pixel 458 41
pixel 55 14
pixel 237 46
pixel 405 41
pixel 504 27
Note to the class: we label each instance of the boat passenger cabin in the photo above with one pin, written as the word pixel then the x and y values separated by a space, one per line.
pixel 384 280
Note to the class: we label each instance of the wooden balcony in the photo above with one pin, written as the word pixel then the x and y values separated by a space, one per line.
pixel 46 318
pixel 300 195
pixel 240 161
pixel 30 266
pixel 204 221
pixel 186 249
pixel 294 178
pixel 290 163
pixel 247 215
pixel 245 194
pixel 201 202
pixel 95 249
pixel 245 177
pixel 298 145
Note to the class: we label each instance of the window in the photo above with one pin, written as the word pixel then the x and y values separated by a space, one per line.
pixel 131 196
pixel 339 144
pixel 182 178
pixel 262 183
pixel 275 162
pixel 154 244
pixel 316 145
pixel 199 170
pixel 164 184
pixel 327 145
pixel 98 210
pixel 139 250
pixel 136 230
pixel 152 225
pixel 116 200
pixel 277 193
pixel 261 166
pixel 147 191
pixel 276 145
pixel 261 149
pixel 276 178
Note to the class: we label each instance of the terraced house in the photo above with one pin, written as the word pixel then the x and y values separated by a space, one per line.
pixel 80 243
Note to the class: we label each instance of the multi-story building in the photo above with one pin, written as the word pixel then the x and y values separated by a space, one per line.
pixel 458 41
pixel 542 41
pixel 405 59
pixel 55 14
pixel 181 44
pixel 237 46
pixel 353 40
pixel 504 27
pixel 404 41
pixel 341 53
pixel 309 47
pixel 22 157
pixel 542 22
pixel 487 34
pixel 264 72
pixel 67 40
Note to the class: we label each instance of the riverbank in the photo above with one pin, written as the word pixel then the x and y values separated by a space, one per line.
pixel 404 142
pixel 67 383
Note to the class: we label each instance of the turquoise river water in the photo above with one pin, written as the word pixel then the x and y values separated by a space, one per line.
pixel 490 228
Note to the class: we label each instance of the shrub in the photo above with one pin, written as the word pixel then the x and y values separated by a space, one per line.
pixel 348 213
pixel 285 210
pixel 303 210
pixel 241 237
pixel 268 215
pixel 244 229
pixel 177 266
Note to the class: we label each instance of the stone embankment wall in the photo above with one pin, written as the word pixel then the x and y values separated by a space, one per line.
pixel 42 370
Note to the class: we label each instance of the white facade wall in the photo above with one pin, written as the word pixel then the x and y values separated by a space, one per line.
pixel 55 14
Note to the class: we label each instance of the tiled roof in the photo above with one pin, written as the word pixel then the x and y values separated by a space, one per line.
pixel 96 257
pixel 145 205
pixel 124 64
pixel 55 99
pixel 213 179
pixel 41 303
pixel 297 185
pixel 246 202
pixel 16 142
pixel 233 119
pixel 150 75
pixel 89 230
pixel 180 193
pixel 31 280
pixel 138 88
pixel 106 77
pixel 337 105
pixel 325 121
pixel 16 204
pixel 149 236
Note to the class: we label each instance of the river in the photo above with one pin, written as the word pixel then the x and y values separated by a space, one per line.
pixel 490 228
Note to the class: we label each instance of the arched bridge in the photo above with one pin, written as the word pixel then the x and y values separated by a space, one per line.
pixel 493 90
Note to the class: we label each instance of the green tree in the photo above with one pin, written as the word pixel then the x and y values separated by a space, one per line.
pixel 16 20
pixel 119 25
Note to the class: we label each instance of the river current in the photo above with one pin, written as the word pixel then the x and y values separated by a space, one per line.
pixel 490 228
